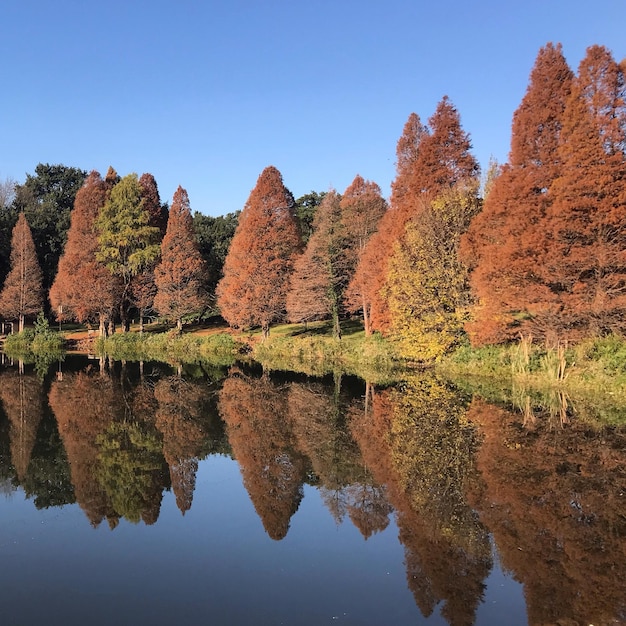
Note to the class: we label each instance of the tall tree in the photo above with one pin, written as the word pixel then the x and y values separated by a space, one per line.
pixel 444 158
pixel 180 276
pixel 84 289
pixel 585 266
pixel 506 242
pixel 22 293
pixel 142 288
pixel 427 285
pixel 321 274
pixel 430 160
pixel 128 243
pixel 306 207
pixel 362 208
pixel 214 235
pixel 47 198
pixel 260 260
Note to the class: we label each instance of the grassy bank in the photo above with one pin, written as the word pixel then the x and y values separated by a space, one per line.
pixel 312 350
pixel 170 347
pixel 590 377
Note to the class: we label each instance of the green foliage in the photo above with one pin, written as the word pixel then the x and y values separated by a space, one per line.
pixel 306 207
pixel 591 374
pixel 40 341
pixel 214 235
pixel 128 243
pixel 314 351
pixel 219 349
pixel 131 468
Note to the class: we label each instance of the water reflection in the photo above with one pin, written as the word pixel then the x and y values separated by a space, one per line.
pixel 454 473
pixel 553 494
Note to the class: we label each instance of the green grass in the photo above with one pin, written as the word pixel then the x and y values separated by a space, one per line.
pixel 312 350
pixel 170 347
pixel 591 375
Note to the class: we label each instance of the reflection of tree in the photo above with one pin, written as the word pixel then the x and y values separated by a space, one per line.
pixel 181 418
pixel 7 471
pixel 553 499
pixel 48 479
pixel 84 406
pixel 415 440
pixel 346 486
pixel 23 399
pixel 131 468
pixel 255 412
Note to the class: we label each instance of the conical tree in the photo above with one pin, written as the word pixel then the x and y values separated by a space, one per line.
pixel 362 207
pixel 83 288
pixel 585 263
pixel 322 272
pixel 128 243
pixel 260 260
pixel 445 157
pixel 505 244
pixel 22 294
pixel 430 161
pixel 364 291
pixel 181 274
pixel 142 285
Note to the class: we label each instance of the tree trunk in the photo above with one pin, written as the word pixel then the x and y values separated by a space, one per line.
pixel 102 329
pixel 265 328
pixel 21 326
pixel 366 319
pixel 179 325
pixel 141 321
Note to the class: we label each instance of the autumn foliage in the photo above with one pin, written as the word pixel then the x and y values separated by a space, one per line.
pixel 180 277
pixel 83 288
pixel 22 294
pixel 261 257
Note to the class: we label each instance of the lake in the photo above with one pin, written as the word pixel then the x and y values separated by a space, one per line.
pixel 145 494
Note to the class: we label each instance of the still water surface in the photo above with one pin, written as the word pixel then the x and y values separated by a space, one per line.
pixel 204 497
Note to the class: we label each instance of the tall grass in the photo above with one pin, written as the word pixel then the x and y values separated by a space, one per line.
pixel 218 349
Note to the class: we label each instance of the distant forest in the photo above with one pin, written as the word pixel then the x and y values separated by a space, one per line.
pixel 535 246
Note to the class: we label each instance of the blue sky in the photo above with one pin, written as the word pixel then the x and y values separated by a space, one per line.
pixel 207 94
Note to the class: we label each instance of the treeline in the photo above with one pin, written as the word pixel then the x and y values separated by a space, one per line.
pixel 538 248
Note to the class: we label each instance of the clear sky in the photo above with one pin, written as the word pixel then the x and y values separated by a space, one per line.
pixel 205 94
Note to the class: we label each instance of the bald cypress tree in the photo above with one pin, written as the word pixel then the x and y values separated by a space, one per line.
pixel 430 161
pixel 180 277
pixel 585 265
pixel 261 257
pixel 321 273
pixel 506 241
pixel 83 288
pixel 22 294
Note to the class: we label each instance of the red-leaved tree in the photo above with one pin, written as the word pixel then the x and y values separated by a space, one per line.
pixel 180 277
pixel 83 288
pixel 260 260
pixel 22 295
pixel 506 244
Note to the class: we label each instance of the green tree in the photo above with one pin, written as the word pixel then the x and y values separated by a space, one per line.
pixel 306 207
pixel 47 198
pixel 127 241
pixel 214 235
